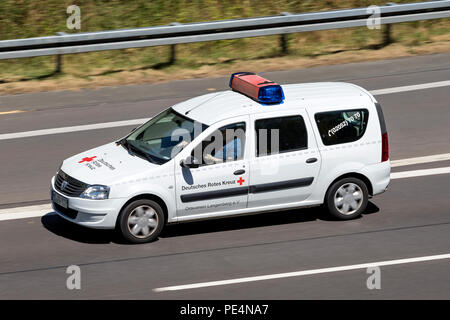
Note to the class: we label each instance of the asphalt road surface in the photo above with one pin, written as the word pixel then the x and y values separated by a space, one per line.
pixel 410 220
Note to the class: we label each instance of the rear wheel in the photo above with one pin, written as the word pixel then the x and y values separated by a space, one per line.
pixel 141 221
pixel 347 198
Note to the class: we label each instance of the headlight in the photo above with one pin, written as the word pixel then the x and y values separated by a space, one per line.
pixel 96 192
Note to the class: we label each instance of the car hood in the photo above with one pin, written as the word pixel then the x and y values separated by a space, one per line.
pixel 106 164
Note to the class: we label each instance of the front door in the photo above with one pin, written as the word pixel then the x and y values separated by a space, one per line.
pixel 219 186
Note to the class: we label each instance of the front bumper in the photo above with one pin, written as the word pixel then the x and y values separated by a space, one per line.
pixel 98 214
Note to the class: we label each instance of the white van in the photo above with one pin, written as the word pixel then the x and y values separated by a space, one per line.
pixel 259 147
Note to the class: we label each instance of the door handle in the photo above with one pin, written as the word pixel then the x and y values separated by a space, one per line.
pixel 239 172
pixel 311 160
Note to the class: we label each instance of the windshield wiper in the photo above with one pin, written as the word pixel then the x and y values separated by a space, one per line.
pixel 138 151
pixel 124 143
pixel 133 150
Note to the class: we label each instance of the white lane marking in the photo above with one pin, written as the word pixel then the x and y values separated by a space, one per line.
pixel 11 112
pixel 419 173
pixel 104 125
pixel 419 160
pixel 25 212
pixel 411 88
pixel 34 133
pixel 303 273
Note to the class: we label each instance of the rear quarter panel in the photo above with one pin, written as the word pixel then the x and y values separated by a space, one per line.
pixel 340 159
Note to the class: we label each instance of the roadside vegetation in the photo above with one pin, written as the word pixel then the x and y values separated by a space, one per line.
pixel 28 18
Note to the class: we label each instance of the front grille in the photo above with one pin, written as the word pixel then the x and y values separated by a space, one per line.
pixel 70 213
pixel 72 188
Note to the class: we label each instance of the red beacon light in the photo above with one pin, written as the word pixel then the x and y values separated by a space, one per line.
pixel 257 88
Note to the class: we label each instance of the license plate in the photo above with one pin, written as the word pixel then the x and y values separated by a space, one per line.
pixel 60 200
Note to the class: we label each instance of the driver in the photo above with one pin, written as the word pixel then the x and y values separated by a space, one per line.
pixel 230 151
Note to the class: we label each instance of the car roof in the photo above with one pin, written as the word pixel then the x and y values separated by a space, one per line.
pixel 213 107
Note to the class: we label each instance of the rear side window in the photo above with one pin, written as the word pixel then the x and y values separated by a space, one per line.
pixel 341 126
pixel 278 135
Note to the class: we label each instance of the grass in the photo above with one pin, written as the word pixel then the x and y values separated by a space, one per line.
pixel 27 18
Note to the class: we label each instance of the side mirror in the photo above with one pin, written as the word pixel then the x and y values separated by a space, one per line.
pixel 190 162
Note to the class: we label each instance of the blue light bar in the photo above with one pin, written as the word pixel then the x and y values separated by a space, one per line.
pixel 257 88
pixel 271 94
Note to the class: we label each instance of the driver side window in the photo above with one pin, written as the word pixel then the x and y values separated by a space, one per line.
pixel 224 144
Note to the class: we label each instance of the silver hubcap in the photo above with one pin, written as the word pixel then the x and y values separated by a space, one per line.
pixel 348 198
pixel 142 221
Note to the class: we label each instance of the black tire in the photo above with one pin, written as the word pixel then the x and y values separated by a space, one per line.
pixel 151 211
pixel 337 210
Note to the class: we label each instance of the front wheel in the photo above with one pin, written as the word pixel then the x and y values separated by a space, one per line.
pixel 141 221
pixel 347 198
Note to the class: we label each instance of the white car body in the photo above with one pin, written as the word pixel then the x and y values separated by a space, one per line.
pixel 208 190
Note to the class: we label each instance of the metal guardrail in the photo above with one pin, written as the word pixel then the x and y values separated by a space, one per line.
pixel 218 30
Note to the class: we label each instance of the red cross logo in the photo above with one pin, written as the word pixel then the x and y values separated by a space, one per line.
pixel 87 159
pixel 241 181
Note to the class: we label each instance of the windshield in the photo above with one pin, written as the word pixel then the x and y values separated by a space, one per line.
pixel 164 136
